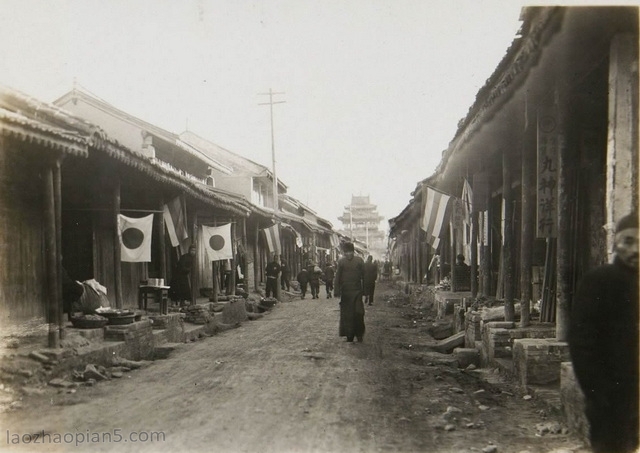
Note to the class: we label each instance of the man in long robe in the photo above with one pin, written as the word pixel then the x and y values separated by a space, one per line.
pixel 349 281
pixel 603 341
pixel 180 286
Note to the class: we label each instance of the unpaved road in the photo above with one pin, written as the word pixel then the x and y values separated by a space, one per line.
pixel 288 383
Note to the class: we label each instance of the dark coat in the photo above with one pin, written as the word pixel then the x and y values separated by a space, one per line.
pixel 348 285
pixel 603 342
pixel 180 286
pixel 370 273
pixel 303 277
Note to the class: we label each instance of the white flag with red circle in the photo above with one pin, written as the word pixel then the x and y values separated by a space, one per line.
pixel 135 238
pixel 217 242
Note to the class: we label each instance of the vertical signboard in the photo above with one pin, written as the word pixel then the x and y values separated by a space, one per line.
pixel 550 142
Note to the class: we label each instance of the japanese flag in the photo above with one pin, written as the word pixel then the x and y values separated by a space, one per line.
pixel 217 242
pixel 135 238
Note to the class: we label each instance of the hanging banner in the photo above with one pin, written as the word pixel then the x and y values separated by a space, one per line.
pixel 550 142
pixel 272 236
pixel 217 242
pixel 436 215
pixel 135 238
pixel 467 230
pixel 175 218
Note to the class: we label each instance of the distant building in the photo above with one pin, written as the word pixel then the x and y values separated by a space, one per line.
pixel 361 221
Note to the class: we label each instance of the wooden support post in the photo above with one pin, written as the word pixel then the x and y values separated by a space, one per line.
pixel 215 273
pixel 452 237
pixel 563 253
pixel 474 254
pixel 57 195
pixel 195 268
pixel 245 281
pixel 51 258
pixel 527 226
pixel 162 247
pixel 256 258
pixel 507 245
pixel 231 287
pixel 279 277
pixel 117 256
pixel 418 246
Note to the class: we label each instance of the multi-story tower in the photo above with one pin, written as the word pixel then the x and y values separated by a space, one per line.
pixel 361 221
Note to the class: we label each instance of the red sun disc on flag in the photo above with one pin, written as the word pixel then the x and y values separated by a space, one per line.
pixel 132 238
pixel 216 242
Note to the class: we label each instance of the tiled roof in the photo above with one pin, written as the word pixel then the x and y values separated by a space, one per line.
pixel 21 128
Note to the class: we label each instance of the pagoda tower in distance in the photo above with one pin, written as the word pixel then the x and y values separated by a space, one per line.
pixel 361 221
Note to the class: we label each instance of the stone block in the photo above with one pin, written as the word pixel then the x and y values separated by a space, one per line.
pixel 440 330
pixel 234 312
pixel 537 360
pixel 467 356
pixel 89 334
pixel 572 401
pixel 473 330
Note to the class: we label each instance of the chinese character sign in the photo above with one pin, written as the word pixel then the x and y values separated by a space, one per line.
pixel 550 142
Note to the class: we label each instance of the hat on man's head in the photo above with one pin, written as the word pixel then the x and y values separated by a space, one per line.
pixel 628 221
pixel 348 247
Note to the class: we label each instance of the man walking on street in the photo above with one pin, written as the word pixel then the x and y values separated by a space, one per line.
pixel 329 275
pixel 370 277
pixel 272 270
pixel 603 341
pixel 314 279
pixel 348 286
pixel 303 280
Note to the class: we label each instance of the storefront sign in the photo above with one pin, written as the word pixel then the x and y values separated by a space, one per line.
pixel 550 142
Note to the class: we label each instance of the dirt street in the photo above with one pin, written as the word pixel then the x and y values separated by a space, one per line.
pixel 288 383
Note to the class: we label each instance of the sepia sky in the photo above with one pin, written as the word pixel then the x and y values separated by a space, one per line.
pixel 374 89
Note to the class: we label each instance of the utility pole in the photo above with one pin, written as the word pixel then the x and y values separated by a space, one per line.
pixel 271 93
pixel 275 177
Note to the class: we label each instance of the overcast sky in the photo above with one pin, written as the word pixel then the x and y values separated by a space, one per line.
pixel 374 89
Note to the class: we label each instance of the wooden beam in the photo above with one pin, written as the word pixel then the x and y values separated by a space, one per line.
pixel 162 247
pixel 195 267
pixel 57 199
pixel 508 240
pixel 245 284
pixel 51 258
pixel 474 254
pixel 527 225
pixel 117 258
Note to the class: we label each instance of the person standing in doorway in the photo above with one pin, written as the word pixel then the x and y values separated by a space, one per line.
pixel 180 286
pixel 603 342
pixel 303 280
pixel 329 275
pixel 370 277
pixel 286 275
pixel 272 271
pixel 348 286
